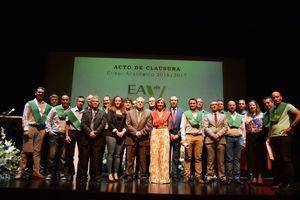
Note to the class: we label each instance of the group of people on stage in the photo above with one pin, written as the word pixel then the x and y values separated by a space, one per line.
pixel 153 138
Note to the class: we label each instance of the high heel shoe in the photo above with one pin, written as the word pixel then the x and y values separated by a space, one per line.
pixel 116 177
pixel 110 178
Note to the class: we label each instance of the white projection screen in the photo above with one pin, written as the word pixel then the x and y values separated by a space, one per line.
pixel 133 77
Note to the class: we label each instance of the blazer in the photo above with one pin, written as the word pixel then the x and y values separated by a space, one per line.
pixel 144 126
pixel 99 122
pixel 116 122
pixel 176 126
pixel 210 128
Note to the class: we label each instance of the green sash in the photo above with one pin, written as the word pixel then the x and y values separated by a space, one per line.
pixel 266 119
pixel 73 119
pixel 61 112
pixel 194 122
pixel 275 113
pixel 234 123
pixel 39 120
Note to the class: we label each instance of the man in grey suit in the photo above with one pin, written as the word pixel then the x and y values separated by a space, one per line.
pixel 137 140
pixel 215 127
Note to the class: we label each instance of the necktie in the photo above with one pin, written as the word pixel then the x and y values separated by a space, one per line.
pixel 93 120
pixel 138 116
pixel 173 115
pixel 216 118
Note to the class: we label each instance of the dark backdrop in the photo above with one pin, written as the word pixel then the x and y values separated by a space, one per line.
pixel 265 37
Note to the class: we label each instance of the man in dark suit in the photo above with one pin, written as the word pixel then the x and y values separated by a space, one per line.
pixel 175 135
pixel 91 142
pixel 137 140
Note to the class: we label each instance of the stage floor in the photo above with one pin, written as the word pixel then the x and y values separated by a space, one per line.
pixel 43 189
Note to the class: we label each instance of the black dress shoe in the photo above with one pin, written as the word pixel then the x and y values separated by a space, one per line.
pixel 69 178
pixel 199 180
pixel 128 179
pixel 143 180
pixel 186 179
pixel 277 186
pixel 286 187
pixel 175 179
pixel 238 181
pixel 95 180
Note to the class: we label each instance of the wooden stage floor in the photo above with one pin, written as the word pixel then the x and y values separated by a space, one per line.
pixel 44 190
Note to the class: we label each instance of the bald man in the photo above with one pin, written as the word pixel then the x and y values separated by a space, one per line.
pixel 283 119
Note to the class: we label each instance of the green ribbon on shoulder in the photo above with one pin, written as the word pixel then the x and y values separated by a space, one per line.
pixel 195 122
pixel 266 119
pixel 61 112
pixel 73 119
pixel 39 120
pixel 276 113
pixel 234 123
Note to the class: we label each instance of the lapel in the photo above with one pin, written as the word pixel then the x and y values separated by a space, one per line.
pixel 220 119
pixel 97 116
pixel 178 116
pixel 134 116
pixel 89 115
pixel 143 116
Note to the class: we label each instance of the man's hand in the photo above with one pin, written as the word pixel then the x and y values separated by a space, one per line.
pixel 138 134
pixel 68 139
pixel 184 143
pixel 176 137
pixel 288 131
pixel 120 134
pixel 172 137
pixel 26 135
pixel 215 137
pixel 92 134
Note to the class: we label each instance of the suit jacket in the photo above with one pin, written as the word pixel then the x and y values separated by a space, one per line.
pixel 176 126
pixel 144 126
pixel 99 123
pixel 211 128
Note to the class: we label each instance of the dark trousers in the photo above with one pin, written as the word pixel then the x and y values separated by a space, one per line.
pixel 282 165
pixel 131 152
pixel 93 150
pixel 114 148
pixel 147 161
pixel 175 148
pixel 44 154
pixel 256 153
pixel 70 149
pixel 233 157
pixel 56 156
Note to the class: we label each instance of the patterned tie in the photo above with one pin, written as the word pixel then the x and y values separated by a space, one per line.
pixel 216 118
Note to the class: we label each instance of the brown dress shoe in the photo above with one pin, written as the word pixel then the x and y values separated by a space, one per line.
pixel 199 180
pixel 19 175
pixel 186 179
pixel 38 175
